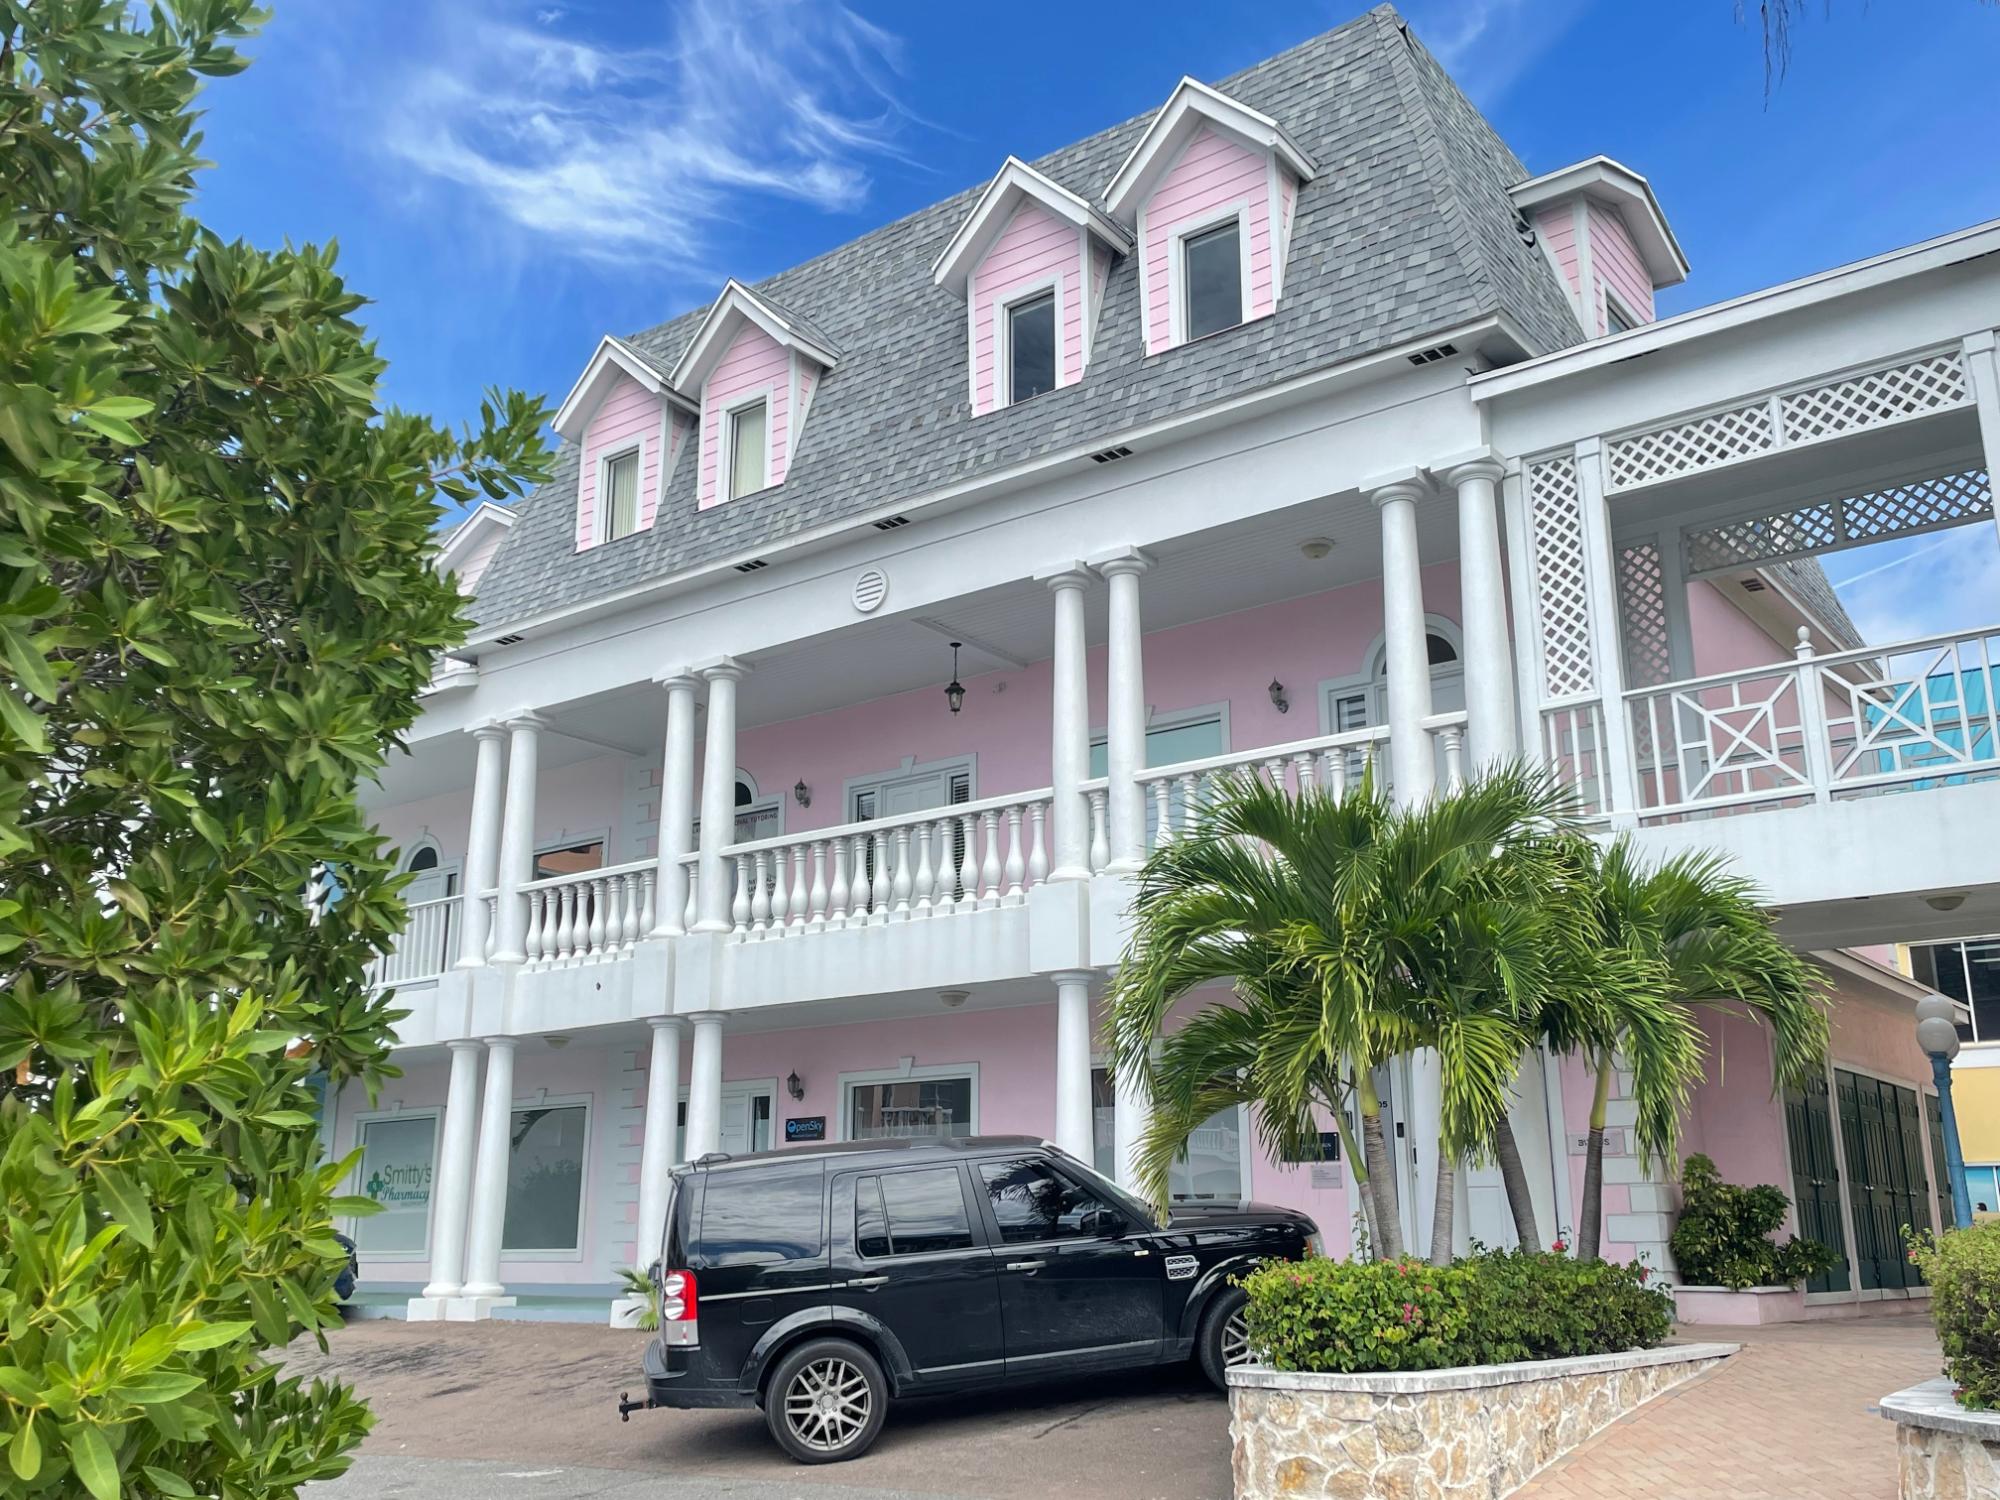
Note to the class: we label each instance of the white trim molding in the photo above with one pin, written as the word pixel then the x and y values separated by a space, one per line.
pixel 1188 108
pixel 906 1070
pixel 1015 183
pixel 613 360
pixel 738 304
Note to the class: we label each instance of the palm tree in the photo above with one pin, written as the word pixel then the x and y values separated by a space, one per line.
pixel 1706 941
pixel 1353 932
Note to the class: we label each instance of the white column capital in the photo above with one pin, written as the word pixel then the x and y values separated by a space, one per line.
pixel 666 1023
pixel 723 669
pixel 1065 575
pixel 501 1043
pixel 527 718
pixel 492 729
pixel 463 1044
pixel 684 680
pixel 1072 976
pixel 699 1018
pixel 1397 485
pixel 1480 463
pixel 1126 561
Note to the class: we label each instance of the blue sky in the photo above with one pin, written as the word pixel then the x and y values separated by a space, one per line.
pixel 508 179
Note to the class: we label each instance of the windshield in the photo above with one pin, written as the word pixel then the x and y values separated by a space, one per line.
pixel 1134 1206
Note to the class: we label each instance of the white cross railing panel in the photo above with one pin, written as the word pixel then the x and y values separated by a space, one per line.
pixel 589 916
pixel 969 856
pixel 425 948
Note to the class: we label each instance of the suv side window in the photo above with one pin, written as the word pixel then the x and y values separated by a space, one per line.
pixel 763 1215
pixel 1032 1201
pixel 909 1213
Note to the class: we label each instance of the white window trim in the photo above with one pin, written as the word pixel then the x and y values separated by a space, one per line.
pixel 351 1225
pixel 583 1204
pixel 755 807
pixel 601 523
pixel 1003 334
pixel 904 1072
pixel 748 1087
pixel 567 840
pixel 1245 1136
pixel 725 438
pixel 909 770
pixel 1369 678
pixel 1177 238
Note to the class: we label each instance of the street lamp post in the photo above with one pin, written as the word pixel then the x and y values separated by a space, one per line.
pixel 1937 1034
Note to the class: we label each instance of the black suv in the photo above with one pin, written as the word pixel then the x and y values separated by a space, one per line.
pixel 818 1283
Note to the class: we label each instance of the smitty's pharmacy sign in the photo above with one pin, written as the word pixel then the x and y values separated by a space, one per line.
pixel 398 1165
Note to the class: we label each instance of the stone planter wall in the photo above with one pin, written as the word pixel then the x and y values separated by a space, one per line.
pixel 1750 1306
pixel 1474 1433
pixel 1943 1451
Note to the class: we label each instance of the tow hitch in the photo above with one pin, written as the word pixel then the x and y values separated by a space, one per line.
pixel 626 1405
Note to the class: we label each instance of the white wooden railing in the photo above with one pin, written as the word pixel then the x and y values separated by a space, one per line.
pixel 1873 720
pixel 425 948
pixel 972 856
pixel 591 915
pixel 1177 794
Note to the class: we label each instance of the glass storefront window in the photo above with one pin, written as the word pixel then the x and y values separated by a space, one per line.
pixel 545 1179
pixel 909 1107
pixel 398 1168
pixel 1212 1170
pixel 1969 972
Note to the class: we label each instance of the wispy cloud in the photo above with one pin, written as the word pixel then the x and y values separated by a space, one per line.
pixel 1920 586
pixel 1486 45
pixel 641 149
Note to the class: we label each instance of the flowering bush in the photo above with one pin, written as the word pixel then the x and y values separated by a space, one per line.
pixel 1963 1268
pixel 1344 1317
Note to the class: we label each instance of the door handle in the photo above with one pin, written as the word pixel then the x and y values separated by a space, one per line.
pixel 866 1283
pixel 1025 1265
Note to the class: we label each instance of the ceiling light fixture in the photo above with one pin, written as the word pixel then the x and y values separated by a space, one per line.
pixel 954 694
pixel 1316 547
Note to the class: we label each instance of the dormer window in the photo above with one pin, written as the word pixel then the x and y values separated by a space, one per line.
pixel 1212 279
pixel 1604 235
pixel 1031 347
pixel 621 494
pixel 747 449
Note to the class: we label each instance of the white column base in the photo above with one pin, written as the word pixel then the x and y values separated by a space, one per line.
pixel 427 1309
pixel 473 1309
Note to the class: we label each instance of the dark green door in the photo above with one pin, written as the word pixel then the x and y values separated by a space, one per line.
pixel 1816 1179
pixel 1879 1125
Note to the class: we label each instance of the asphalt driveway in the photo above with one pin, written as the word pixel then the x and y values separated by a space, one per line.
pixel 526 1409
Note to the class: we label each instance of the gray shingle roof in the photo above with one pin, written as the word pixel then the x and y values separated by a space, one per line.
pixel 1406 230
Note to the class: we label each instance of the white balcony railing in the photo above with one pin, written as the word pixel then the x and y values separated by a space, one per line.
pixel 590 915
pixel 1878 719
pixel 1176 794
pixel 943 860
pixel 425 948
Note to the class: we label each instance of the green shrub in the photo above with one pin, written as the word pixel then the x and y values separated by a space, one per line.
pixel 1723 1235
pixel 1345 1317
pixel 1963 1268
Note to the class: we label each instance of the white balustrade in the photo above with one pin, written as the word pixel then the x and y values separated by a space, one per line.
pixel 1448 731
pixel 913 867
pixel 1099 796
pixel 591 915
pixel 1876 719
pixel 1332 763
pixel 423 949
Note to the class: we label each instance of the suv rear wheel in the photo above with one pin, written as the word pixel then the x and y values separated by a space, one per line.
pixel 1224 1338
pixel 826 1401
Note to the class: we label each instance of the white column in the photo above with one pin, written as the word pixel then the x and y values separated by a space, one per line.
pixel 1982 363
pixel 482 844
pixel 1132 1112
pixel 663 1097
pixel 454 1175
pixel 489 1177
pixel 1607 647
pixel 718 797
pixel 704 1130
pixel 517 840
pixel 1125 716
pixel 1069 750
pixel 677 805
pixel 1074 1127
pixel 1406 654
pixel 1493 735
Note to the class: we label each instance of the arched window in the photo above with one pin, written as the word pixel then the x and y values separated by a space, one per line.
pixel 425 858
pixel 1440 650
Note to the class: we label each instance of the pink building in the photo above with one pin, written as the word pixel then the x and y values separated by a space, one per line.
pixel 1252 432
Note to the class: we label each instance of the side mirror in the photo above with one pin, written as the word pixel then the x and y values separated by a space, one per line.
pixel 1104 1222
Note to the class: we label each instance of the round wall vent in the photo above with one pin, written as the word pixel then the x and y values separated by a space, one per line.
pixel 870 589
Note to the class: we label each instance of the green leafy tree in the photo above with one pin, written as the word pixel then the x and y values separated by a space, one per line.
pixel 216 614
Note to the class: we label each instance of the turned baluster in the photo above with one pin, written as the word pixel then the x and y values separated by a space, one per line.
pixel 1100 834
pixel 836 890
pixel 1163 812
pixel 989 861
pixel 532 939
pixel 817 894
pixel 648 906
pixel 599 927
pixel 1038 853
pixel 780 867
pixel 1016 865
pixel 926 876
pixel 739 906
pixel 760 894
pixel 968 862
pixel 900 882
pixel 565 924
pixel 883 884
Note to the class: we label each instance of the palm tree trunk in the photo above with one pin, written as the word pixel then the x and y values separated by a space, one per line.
pixel 1589 1232
pixel 1442 1207
pixel 1359 1166
pixel 1381 1174
pixel 1515 1179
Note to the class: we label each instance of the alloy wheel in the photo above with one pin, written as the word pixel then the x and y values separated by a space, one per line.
pixel 1235 1340
pixel 827 1405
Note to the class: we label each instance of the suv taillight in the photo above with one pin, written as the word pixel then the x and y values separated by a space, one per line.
pixel 677 1308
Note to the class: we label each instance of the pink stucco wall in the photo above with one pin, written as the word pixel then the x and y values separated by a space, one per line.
pixel 628 417
pixel 1615 260
pixel 753 362
pixel 1726 639
pixel 1212 173
pixel 1035 247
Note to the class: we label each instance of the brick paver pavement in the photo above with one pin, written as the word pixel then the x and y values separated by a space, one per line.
pixel 1790 1418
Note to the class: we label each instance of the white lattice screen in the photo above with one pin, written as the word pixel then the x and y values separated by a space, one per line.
pixel 1642 616
pixel 1809 414
pixel 1562 597
pixel 1853 521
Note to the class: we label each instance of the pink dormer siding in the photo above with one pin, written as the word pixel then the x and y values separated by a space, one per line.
pixel 1615 259
pixel 755 363
pixel 629 417
pixel 1036 250
pixel 1556 228
pixel 1213 173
